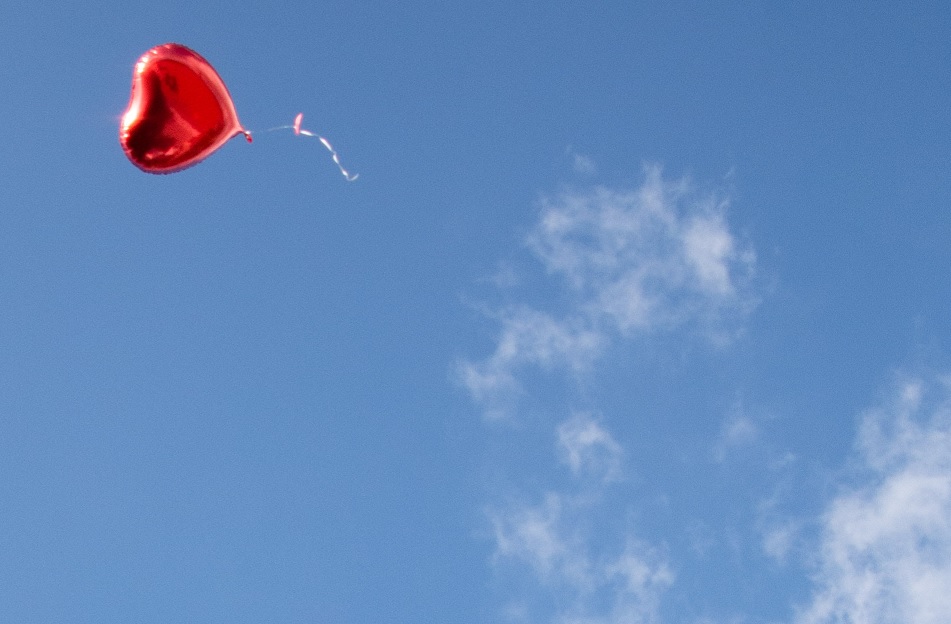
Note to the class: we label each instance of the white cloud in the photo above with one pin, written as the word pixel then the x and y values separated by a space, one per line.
pixel 653 258
pixel 587 448
pixel 709 251
pixel 779 540
pixel 621 264
pixel 580 581
pixel 527 337
pixel 581 163
pixel 584 164
pixel 738 430
pixel 628 262
pixel 885 555
pixel 534 535
pixel 579 574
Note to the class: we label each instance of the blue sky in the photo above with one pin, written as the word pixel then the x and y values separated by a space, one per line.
pixel 637 314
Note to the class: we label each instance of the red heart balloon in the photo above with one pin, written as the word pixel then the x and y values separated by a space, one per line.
pixel 179 112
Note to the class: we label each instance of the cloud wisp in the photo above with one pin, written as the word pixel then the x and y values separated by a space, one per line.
pixel 662 258
pixel 619 264
pixel 628 263
pixel 588 449
pixel 885 549
pixel 737 431
pixel 579 576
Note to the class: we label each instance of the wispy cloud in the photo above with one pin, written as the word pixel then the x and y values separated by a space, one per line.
pixel 528 337
pixel 618 264
pixel 779 540
pixel 652 258
pixel 582 577
pixel 662 258
pixel 588 449
pixel 627 263
pixel 582 163
pixel 738 430
pixel 885 554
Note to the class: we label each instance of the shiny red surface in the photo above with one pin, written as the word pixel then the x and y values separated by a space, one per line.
pixel 179 111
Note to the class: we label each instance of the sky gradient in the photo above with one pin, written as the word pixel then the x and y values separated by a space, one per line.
pixel 637 314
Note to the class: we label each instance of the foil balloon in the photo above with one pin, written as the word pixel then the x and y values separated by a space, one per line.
pixel 179 111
